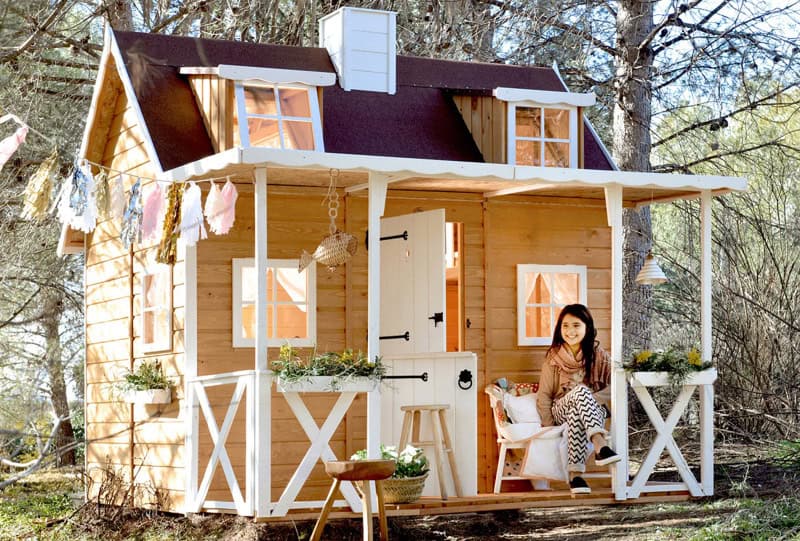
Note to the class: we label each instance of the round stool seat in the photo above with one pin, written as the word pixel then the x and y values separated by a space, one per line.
pixel 360 470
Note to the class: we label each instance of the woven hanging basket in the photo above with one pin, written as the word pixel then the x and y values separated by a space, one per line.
pixel 403 489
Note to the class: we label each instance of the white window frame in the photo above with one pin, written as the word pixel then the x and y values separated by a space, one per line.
pixel 512 132
pixel 527 268
pixel 239 340
pixel 157 269
pixel 243 115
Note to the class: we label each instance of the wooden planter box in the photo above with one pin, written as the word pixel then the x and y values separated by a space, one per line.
pixel 661 379
pixel 150 396
pixel 328 384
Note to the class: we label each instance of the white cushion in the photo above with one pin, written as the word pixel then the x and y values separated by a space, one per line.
pixel 519 431
pixel 522 409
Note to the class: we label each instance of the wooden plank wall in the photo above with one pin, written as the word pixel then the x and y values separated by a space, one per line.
pixel 215 101
pixel 145 441
pixel 485 118
pixel 543 231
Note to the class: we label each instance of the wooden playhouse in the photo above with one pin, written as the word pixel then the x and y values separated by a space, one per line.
pixel 476 191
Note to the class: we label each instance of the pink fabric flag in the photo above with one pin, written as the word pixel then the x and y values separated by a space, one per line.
pixel 229 196
pixel 152 213
pixel 10 144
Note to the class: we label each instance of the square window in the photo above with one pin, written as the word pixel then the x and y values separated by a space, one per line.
pixel 291 303
pixel 542 290
pixel 542 136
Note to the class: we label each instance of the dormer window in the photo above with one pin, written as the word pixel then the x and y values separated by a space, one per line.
pixel 543 126
pixel 274 108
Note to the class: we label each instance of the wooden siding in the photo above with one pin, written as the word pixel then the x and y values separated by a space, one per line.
pixel 144 442
pixel 485 118
pixel 216 104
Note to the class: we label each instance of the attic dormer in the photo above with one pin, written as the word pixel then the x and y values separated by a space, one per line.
pixel 260 107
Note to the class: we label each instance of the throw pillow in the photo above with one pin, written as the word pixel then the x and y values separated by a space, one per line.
pixel 522 409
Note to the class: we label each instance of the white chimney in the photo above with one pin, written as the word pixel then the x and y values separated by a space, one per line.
pixel 362 46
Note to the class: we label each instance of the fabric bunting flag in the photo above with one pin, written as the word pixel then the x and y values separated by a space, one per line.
pixel 101 195
pixel 153 212
pixel 132 219
pixel 213 207
pixel 36 198
pixel 192 224
pixel 10 144
pixel 116 199
pixel 229 195
pixel 168 247
pixel 77 206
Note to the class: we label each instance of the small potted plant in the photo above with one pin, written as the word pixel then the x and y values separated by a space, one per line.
pixel 673 366
pixel 410 474
pixel 147 385
pixel 326 372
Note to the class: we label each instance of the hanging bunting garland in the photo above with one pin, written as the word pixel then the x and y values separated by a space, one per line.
pixel 168 248
pixel 229 196
pixel 192 224
pixel 36 198
pixel 101 195
pixel 132 219
pixel 10 144
pixel 116 201
pixel 82 200
pixel 152 213
pixel 213 207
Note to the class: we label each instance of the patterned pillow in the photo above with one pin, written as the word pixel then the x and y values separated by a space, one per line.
pixel 514 389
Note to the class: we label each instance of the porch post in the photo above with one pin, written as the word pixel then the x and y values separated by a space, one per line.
pixel 192 408
pixel 377 201
pixel 706 391
pixel 619 385
pixel 260 457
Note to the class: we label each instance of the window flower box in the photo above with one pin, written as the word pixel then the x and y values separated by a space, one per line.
pixel 662 379
pixel 327 384
pixel 326 372
pixel 149 396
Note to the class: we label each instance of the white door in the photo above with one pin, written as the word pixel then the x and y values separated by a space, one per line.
pixel 413 283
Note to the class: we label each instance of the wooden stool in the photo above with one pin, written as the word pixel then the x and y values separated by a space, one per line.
pixel 358 470
pixel 441 440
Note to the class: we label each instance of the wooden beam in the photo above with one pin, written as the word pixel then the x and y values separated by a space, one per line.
pixel 670 198
pixel 521 189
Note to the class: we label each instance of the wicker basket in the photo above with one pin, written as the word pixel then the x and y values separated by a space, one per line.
pixel 404 489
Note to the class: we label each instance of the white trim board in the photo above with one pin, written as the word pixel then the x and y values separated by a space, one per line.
pixel 544 97
pixel 268 75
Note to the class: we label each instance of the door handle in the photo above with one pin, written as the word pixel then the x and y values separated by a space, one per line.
pixel 437 317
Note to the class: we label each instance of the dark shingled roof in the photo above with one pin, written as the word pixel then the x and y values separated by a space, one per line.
pixel 419 121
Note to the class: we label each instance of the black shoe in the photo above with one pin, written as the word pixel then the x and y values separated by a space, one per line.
pixel 578 486
pixel 606 456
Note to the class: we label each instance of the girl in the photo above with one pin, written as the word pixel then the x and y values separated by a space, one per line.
pixel 576 366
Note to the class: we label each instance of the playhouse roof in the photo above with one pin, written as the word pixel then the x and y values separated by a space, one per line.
pixel 419 121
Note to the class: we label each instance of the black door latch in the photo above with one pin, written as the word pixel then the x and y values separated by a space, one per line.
pixel 437 317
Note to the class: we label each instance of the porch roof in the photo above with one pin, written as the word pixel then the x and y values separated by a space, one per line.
pixel 492 180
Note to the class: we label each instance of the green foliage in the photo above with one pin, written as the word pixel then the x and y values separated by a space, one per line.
pixel 290 367
pixel 149 375
pixel 26 506
pixel 756 520
pixel 410 462
pixel 677 362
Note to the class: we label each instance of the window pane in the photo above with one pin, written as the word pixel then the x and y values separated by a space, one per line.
pixel 536 288
pixel 263 133
pixel 294 102
pixel 528 153
pixel 148 327
pixel 529 122
pixel 260 101
pixel 150 291
pixel 291 285
pixel 556 123
pixel 298 135
pixel 249 321
pixel 537 321
pixel 291 322
pixel 556 155
pixel 248 284
pixel 270 293
pixel 566 288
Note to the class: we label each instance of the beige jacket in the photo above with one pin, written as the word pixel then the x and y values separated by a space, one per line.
pixel 550 391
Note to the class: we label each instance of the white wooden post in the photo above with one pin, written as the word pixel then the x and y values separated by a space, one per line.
pixel 619 385
pixel 261 455
pixel 377 201
pixel 191 411
pixel 706 391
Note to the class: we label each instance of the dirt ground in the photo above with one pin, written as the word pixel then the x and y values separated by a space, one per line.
pixel 739 475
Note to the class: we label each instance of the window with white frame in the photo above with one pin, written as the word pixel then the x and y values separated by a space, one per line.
pixel 156 308
pixel 542 290
pixel 283 116
pixel 291 303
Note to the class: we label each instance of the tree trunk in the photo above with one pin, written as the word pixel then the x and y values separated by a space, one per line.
pixel 631 149
pixel 120 15
pixel 51 318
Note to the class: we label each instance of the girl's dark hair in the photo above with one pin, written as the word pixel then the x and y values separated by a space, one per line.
pixel 587 344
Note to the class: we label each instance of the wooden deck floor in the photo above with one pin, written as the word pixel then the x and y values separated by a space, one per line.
pixel 492 502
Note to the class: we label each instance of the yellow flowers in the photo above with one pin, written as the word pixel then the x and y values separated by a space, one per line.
pixel 693 357
pixel 643 356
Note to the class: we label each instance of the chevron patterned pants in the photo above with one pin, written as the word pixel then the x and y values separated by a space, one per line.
pixel 584 417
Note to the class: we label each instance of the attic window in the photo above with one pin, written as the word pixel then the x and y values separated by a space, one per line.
pixel 542 291
pixel 543 126
pixel 278 116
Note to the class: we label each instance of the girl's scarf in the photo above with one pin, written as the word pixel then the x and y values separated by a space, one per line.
pixel 569 364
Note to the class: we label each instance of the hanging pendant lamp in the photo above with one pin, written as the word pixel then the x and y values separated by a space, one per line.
pixel 651 274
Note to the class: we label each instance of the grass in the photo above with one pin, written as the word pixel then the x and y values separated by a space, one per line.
pixel 28 505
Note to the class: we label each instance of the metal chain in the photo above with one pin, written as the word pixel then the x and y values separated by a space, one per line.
pixel 333 200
